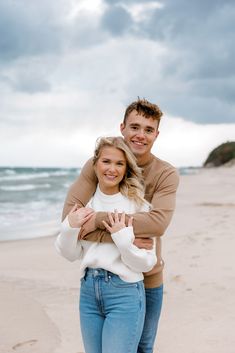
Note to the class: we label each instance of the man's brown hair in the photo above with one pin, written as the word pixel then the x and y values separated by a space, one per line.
pixel 145 108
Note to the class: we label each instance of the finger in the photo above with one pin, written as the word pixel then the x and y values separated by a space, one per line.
pixel 123 217
pixel 111 220
pixel 130 222
pixel 85 219
pixel 106 226
pixel 116 216
pixel 88 216
pixel 89 211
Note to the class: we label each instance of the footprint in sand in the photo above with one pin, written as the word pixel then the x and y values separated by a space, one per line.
pixel 29 343
pixel 177 278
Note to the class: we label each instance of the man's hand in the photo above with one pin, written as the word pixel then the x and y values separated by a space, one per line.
pixel 88 227
pixel 144 243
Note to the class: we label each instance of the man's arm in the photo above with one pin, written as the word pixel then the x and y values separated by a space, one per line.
pixel 156 221
pixel 146 224
pixel 81 190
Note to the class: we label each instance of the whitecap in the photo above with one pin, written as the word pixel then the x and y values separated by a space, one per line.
pixel 26 176
pixel 25 187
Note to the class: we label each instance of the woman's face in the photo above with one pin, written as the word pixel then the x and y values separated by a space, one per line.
pixel 110 169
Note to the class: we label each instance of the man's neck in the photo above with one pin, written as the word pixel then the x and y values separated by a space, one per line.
pixel 143 160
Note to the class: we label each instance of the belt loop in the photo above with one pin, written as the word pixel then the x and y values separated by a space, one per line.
pixel 85 274
pixel 106 277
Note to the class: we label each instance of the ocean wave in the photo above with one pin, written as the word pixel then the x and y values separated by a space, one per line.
pixel 9 172
pixel 60 173
pixel 25 187
pixel 12 176
pixel 25 176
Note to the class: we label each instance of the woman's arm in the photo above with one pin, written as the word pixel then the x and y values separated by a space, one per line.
pixel 139 260
pixel 67 243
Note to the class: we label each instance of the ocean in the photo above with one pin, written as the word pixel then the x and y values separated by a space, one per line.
pixel 31 200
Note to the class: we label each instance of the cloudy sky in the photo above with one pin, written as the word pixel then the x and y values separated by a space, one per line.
pixel 68 69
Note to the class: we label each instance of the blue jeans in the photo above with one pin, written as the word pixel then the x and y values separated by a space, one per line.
pixel 154 298
pixel 112 312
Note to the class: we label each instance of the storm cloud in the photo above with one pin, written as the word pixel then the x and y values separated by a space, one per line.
pixel 67 65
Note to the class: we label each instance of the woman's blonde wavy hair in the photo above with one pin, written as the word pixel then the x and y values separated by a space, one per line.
pixel 132 185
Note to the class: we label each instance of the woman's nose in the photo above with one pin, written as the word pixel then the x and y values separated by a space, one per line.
pixel 112 167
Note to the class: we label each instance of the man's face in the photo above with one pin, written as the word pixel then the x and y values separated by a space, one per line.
pixel 140 133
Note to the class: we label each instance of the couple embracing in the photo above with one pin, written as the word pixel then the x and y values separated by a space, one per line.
pixel 113 219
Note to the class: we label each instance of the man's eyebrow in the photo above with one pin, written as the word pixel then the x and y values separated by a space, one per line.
pixel 146 127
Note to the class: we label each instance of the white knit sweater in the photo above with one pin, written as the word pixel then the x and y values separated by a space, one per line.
pixel 121 257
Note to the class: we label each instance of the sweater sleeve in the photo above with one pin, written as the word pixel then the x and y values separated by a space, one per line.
pixel 138 260
pixel 67 243
pixel 82 189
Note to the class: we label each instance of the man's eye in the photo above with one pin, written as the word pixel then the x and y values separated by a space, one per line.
pixel 149 131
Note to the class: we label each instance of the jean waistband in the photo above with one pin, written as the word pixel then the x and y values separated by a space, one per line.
pixel 95 272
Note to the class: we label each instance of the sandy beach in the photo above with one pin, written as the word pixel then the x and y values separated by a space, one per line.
pixel 39 290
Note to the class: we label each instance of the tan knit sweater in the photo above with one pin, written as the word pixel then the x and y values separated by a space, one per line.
pixel 161 182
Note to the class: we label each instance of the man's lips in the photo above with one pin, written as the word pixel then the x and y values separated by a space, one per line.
pixel 138 143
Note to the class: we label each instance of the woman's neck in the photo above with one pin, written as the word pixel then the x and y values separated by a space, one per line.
pixel 109 190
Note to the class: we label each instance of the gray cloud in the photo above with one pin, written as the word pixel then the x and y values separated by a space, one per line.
pixel 199 36
pixel 31 85
pixel 195 79
pixel 117 20
pixel 27 28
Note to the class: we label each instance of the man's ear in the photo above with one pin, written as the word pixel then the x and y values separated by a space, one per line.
pixel 122 127
pixel 157 133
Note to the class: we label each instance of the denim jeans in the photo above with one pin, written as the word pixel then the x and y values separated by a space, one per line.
pixel 154 298
pixel 112 312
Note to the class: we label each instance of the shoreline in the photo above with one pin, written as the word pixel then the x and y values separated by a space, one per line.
pixel 39 289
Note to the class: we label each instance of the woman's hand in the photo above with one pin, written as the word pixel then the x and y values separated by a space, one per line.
pixel 117 222
pixel 78 216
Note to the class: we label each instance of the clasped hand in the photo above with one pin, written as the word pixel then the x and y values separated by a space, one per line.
pixel 117 222
pixel 78 216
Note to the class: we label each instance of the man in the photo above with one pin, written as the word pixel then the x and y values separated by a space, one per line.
pixel 140 130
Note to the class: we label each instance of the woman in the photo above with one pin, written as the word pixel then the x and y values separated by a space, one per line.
pixel 112 298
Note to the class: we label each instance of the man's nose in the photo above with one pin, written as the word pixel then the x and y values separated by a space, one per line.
pixel 141 133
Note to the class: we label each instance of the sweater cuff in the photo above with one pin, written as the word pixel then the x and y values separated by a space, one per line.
pixel 65 227
pixel 123 237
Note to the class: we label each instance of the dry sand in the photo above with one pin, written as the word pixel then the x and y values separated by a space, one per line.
pixel 39 290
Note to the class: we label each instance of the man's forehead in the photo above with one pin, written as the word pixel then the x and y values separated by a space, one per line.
pixel 139 119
